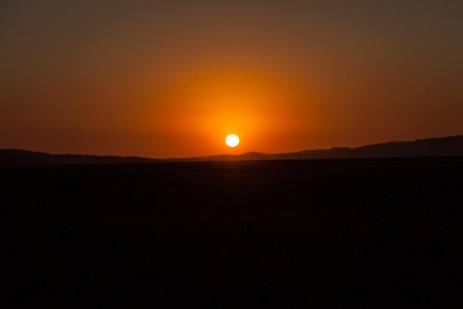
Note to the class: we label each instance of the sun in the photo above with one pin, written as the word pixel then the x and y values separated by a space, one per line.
pixel 232 140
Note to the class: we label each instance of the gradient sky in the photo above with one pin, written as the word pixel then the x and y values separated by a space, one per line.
pixel 172 78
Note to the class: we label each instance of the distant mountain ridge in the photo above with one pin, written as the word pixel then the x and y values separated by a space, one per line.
pixel 24 157
pixel 432 147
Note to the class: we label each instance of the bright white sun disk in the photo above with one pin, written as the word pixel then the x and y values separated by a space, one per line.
pixel 232 140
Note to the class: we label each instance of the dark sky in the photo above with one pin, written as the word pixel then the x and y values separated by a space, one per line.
pixel 173 78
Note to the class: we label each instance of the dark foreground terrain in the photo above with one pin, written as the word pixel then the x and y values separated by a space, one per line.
pixel 377 233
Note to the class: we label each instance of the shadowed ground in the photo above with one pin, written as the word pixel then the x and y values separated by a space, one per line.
pixel 329 234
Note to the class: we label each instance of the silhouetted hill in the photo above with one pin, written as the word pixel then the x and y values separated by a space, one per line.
pixel 23 157
pixel 432 147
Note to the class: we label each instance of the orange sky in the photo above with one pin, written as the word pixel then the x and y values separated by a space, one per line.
pixel 173 78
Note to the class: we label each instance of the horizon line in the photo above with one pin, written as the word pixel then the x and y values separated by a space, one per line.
pixel 228 155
